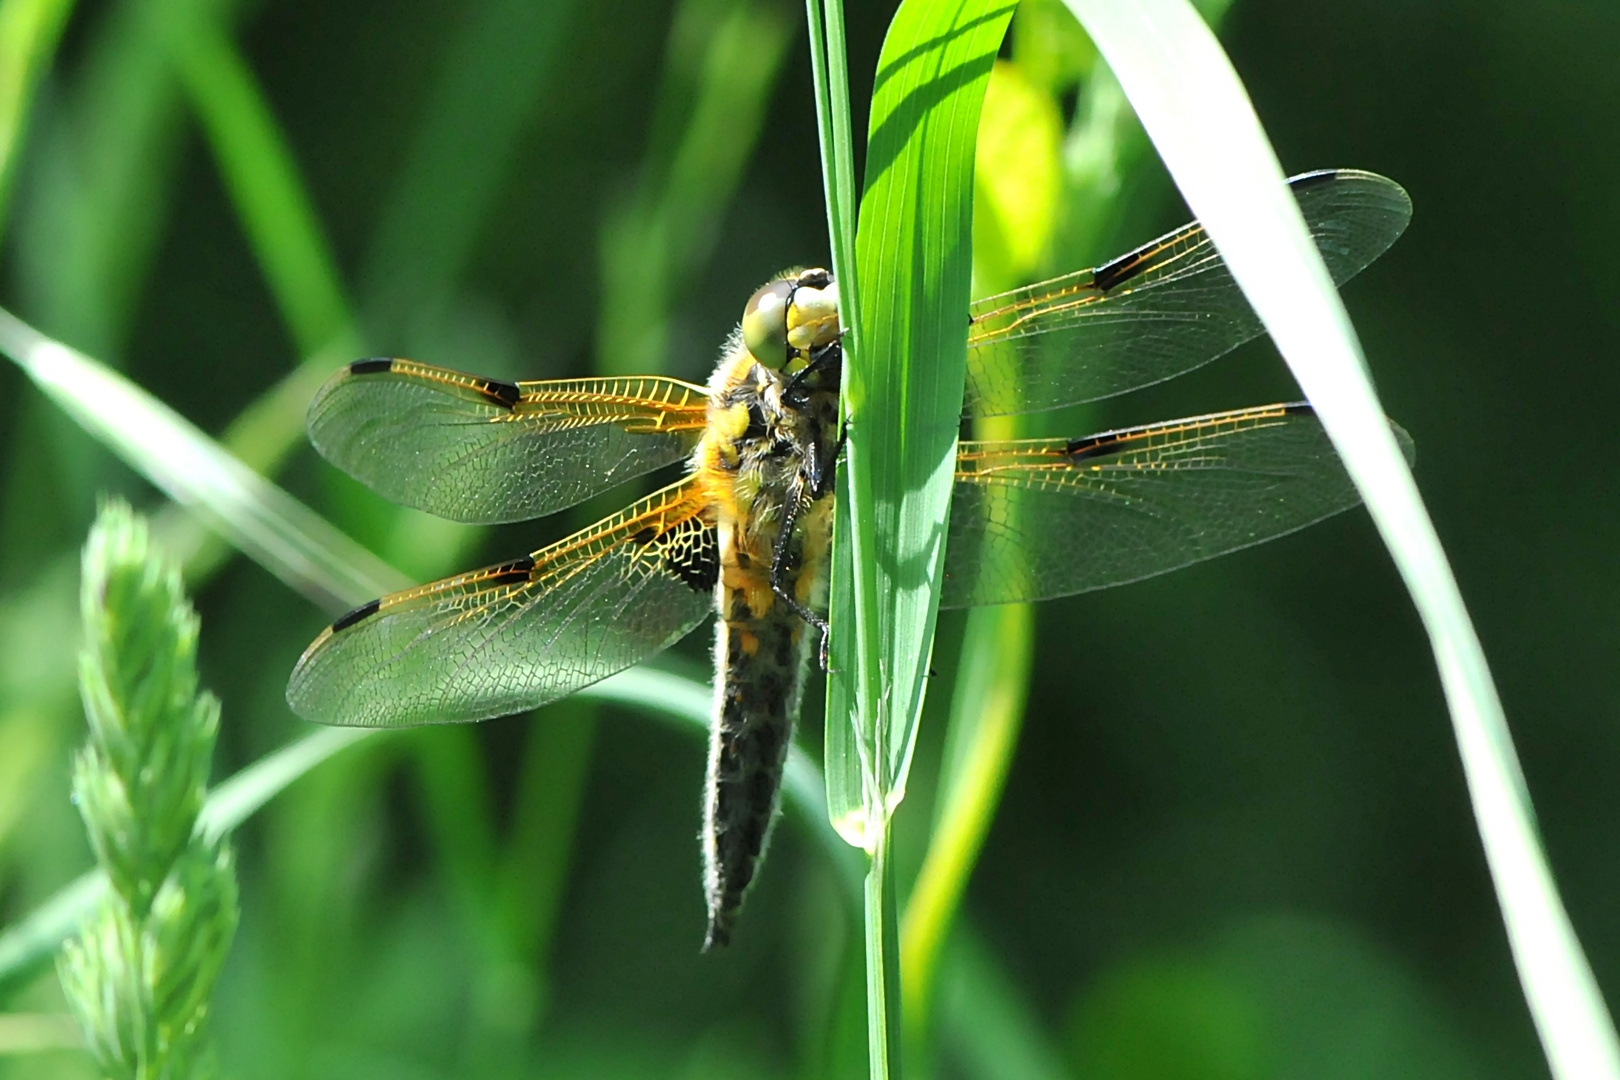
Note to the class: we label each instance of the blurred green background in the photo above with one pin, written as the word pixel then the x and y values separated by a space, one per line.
pixel 1235 840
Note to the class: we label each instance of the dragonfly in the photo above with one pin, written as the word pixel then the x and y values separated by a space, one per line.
pixel 745 533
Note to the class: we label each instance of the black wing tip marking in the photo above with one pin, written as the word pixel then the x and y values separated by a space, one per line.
pixel 515 572
pixel 348 619
pixel 1114 274
pixel 1095 446
pixel 1107 443
pixel 1121 270
pixel 499 391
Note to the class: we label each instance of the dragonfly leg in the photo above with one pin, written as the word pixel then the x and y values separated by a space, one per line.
pixel 830 355
pixel 820 466
pixel 781 557
pixel 826 472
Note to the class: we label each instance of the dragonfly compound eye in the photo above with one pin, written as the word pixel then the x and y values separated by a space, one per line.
pixel 812 318
pixel 765 323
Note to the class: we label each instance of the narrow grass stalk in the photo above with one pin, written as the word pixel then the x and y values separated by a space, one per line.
pixel 140 973
pixel 829 69
pixel 1198 115
pixel 903 395
pixel 883 1001
pixel 849 765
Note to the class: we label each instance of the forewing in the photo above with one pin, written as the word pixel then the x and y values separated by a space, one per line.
pixel 1161 310
pixel 1038 518
pixel 518 635
pixel 485 451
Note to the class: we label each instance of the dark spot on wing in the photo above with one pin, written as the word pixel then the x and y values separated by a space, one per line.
pixel 364 611
pixel 1299 408
pixel 511 573
pixel 1096 446
pixel 1119 271
pixel 502 393
pixel 644 537
pixel 377 365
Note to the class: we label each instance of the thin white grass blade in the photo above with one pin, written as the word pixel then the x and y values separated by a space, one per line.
pixel 274 529
pixel 1200 119
pixel 235 800
pixel 29 942
pixel 691 702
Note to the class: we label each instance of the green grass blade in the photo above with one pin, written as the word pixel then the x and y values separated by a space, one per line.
pixel 988 1027
pixel 1018 182
pixel 233 801
pixel 29 31
pixel 99 180
pixel 262 178
pixel 903 389
pixel 488 90
pixel 31 944
pixel 284 535
pixel 1200 118
pixel 720 68
pixel 829 69
pixel 903 394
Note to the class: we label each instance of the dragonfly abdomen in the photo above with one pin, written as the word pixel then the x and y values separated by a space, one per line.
pixel 759 675
pixel 770 527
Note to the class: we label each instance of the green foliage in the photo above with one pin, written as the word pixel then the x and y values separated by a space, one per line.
pixel 140 974
pixel 519 899
pixel 28 36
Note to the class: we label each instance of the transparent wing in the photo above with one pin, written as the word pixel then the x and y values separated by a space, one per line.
pixel 485 451
pixel 1038 518
pixel 518 635
pixel 1161 310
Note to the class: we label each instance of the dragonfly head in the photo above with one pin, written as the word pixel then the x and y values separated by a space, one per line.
pixel 790 316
